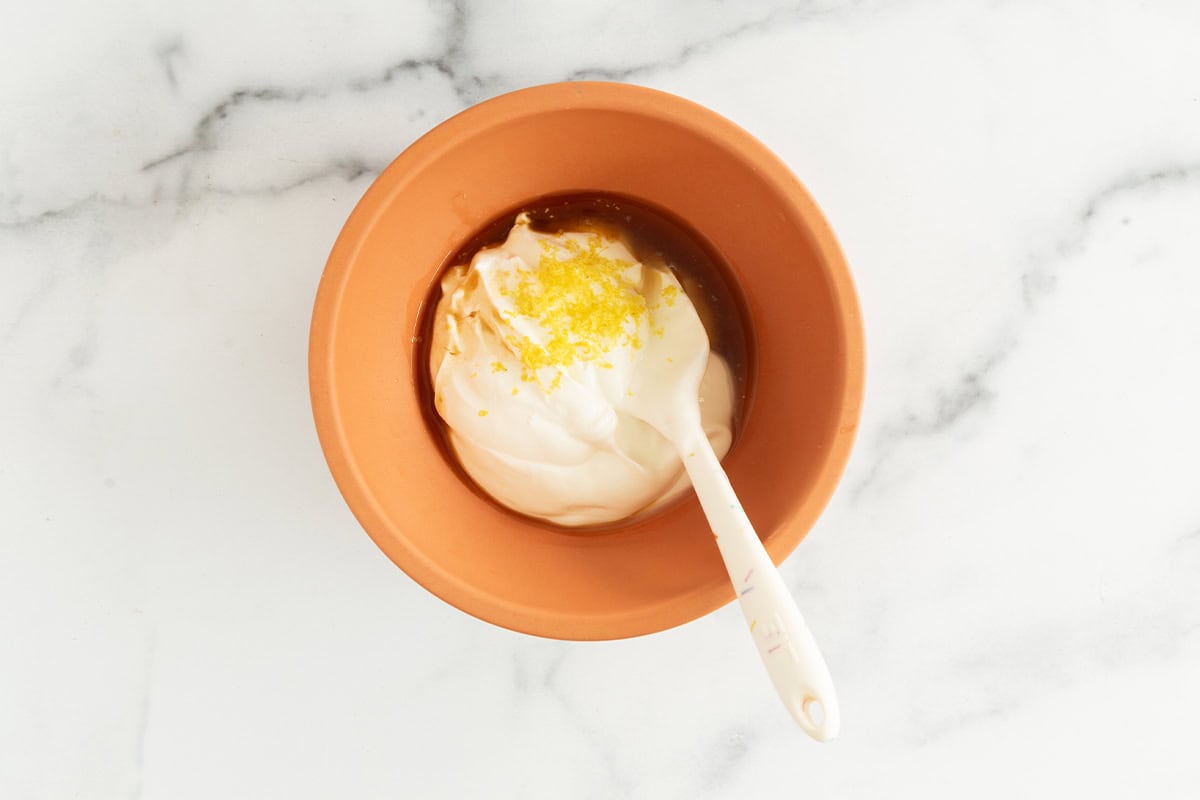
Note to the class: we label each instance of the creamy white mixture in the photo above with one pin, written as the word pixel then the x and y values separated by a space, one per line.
pixel 533 344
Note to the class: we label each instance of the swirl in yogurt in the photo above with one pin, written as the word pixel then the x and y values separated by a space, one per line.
pixel 534 344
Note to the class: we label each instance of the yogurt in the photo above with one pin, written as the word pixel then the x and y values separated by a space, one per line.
pixel 534 345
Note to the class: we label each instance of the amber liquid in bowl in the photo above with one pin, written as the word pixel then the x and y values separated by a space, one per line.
pixel 656 239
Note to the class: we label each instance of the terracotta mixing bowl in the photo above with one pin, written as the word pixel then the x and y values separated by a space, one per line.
pixel 576 137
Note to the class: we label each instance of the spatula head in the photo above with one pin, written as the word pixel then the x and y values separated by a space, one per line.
pixel 664 384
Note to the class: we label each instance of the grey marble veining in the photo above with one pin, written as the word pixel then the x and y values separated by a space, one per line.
pixel 1004 586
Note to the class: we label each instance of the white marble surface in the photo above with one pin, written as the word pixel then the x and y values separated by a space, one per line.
pixel 1007 585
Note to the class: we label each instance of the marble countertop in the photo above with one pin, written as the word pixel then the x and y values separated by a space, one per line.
pixel 1006 586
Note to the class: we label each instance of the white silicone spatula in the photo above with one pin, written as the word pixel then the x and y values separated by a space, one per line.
pixel 664 394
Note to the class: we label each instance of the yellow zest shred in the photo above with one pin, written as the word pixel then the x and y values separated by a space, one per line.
pixel 584 302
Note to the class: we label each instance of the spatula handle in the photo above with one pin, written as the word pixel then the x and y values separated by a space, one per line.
pixel 784 642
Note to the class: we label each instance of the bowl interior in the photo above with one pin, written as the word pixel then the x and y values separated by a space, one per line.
pixel 647 575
